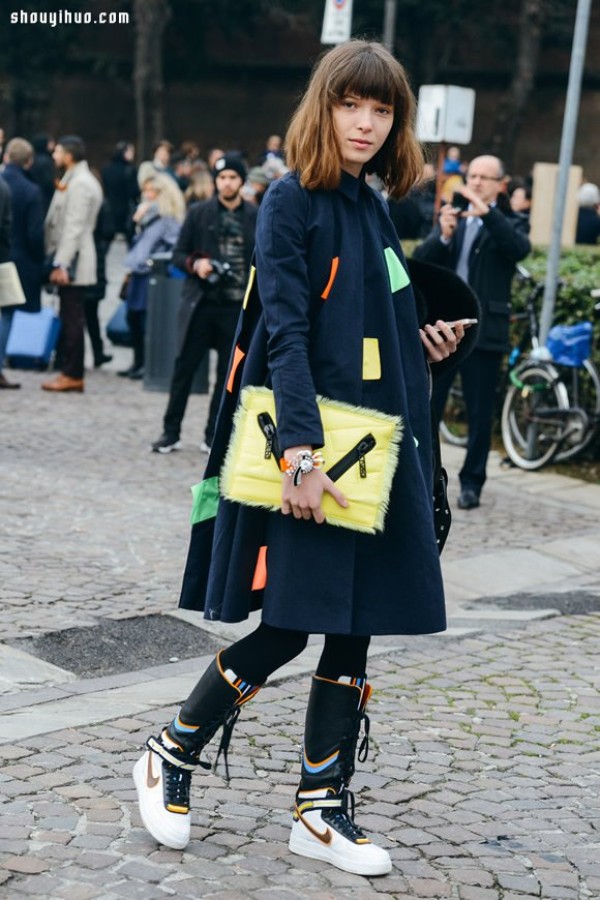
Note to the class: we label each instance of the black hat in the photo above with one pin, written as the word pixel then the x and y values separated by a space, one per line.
pixel 441 294
pixel 231 161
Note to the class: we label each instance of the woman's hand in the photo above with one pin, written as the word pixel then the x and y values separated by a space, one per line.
pixel 303 501
pixel 441 340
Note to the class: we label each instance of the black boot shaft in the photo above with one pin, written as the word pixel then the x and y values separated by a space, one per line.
pixel 333 718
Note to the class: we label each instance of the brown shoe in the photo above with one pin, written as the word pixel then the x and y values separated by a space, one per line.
pixel 64 383
pixel 5 384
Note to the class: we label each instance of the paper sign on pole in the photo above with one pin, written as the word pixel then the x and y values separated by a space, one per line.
pixel 337 22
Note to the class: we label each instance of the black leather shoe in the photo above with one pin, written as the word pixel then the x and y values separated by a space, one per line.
pixel 136 374
pixel 468 499
pixel 100 360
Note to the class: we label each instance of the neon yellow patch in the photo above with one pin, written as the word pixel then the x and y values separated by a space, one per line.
pixel 371 360
pixel 398 274
pixel 205 500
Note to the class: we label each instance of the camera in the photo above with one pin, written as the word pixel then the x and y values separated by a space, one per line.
pixel 220 270
pixel 459 201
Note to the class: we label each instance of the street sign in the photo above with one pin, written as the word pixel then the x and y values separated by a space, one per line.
pixel 445 114
pixel 337 22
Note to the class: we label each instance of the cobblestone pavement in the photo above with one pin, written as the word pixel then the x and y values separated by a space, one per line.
pixel 483 781
pixel 483 777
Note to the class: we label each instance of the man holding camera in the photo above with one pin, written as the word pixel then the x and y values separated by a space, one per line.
pixel 215 247
pixel 481 240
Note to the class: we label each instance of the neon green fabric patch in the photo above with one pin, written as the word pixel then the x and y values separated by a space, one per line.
pixel 205 500
pixel 398 274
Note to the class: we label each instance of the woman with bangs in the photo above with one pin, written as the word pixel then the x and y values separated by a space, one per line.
pixel 338 318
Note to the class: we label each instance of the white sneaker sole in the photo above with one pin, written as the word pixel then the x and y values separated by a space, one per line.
pixel 169 449
pixel 306 846
pixel 159 830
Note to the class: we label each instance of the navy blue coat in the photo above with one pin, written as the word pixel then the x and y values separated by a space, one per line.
pixel 306 337
pixel 27 235
pixel 501 243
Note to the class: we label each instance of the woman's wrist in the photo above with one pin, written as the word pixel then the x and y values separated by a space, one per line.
pixel 302 463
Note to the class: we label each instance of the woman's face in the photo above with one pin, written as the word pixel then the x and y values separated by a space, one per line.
pixel 150 193
pixel 361 127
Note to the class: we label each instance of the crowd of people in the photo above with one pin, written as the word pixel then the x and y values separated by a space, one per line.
pixel 58 218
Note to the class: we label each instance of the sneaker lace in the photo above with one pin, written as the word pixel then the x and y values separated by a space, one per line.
pixel 342 818
pixel 176 785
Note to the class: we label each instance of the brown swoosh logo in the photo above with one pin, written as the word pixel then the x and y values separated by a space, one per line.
pixel 151 781
pixel 324 837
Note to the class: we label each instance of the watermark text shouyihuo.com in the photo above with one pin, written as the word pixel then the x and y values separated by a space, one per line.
pixel 68 17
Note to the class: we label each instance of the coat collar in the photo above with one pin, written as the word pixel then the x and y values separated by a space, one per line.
pixel 350 186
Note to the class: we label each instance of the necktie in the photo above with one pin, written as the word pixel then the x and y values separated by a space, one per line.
pixel 470 236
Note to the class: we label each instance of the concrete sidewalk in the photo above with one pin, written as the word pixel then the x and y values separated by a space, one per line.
pixel 483 776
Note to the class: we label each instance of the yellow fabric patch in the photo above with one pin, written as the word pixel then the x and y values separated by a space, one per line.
pixel 371 360
pixel 398 274
pixel 251 278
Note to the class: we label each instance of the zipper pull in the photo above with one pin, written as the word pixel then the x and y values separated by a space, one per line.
pixel 269 442
pixel 362 464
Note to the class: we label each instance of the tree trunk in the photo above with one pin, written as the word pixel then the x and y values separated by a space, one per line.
pixel 150 17
pixel 512 106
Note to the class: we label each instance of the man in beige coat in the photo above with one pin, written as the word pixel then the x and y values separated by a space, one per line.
pixel 69 237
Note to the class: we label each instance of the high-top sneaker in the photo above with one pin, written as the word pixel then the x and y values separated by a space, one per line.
pixel 163 774
pixel 324 826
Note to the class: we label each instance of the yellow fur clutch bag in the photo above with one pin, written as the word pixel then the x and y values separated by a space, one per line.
pixel 361 453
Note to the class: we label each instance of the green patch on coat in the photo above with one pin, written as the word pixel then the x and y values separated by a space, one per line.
pixel 398 274
pixel 205 500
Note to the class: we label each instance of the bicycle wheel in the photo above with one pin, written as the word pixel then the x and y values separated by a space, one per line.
pixel 453 427
pixel 533 420
pixel 583 388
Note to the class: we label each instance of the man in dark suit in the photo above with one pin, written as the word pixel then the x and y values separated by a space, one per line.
pixel 482 244
pixel 216 233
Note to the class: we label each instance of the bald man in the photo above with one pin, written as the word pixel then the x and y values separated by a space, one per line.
pixel 483 245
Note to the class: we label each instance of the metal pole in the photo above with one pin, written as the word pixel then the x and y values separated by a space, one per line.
pixel 389 24
pixel 564 163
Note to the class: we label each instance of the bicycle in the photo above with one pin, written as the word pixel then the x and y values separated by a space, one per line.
pixel 551 410
pixel 453 425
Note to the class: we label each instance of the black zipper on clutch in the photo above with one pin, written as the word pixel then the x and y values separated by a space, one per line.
pixel 267 426
pixel 356 455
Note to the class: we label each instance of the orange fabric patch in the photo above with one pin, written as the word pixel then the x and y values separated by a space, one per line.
pixel 260 572
pixel 238 356
pixel 334 267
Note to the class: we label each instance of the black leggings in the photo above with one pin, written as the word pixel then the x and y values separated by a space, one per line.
pixel 261 653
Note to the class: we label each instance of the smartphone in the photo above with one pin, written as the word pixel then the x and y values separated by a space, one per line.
pixel 466 323
pixel 460 202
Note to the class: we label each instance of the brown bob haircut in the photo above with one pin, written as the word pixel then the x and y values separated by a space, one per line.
pixel 365 69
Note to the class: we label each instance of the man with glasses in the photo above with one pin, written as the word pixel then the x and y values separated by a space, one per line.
pixel 482 244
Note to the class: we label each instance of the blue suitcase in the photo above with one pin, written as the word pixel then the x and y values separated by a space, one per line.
pixel 117 329
pixel 32 339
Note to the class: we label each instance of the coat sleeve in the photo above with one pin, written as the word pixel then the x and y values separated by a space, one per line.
pixel 509 234
pixel 434 250
pixel 185 246
pixel 283 282
pixel 35 227
pixel 137 258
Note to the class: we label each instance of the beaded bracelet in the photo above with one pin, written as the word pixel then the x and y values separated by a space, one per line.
pixel 301 464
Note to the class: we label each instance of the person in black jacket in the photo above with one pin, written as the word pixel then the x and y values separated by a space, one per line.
pixel 5 235
pixel 214 249
pixel 483 245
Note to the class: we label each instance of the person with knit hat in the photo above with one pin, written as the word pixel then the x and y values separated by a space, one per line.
pixel 214 250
